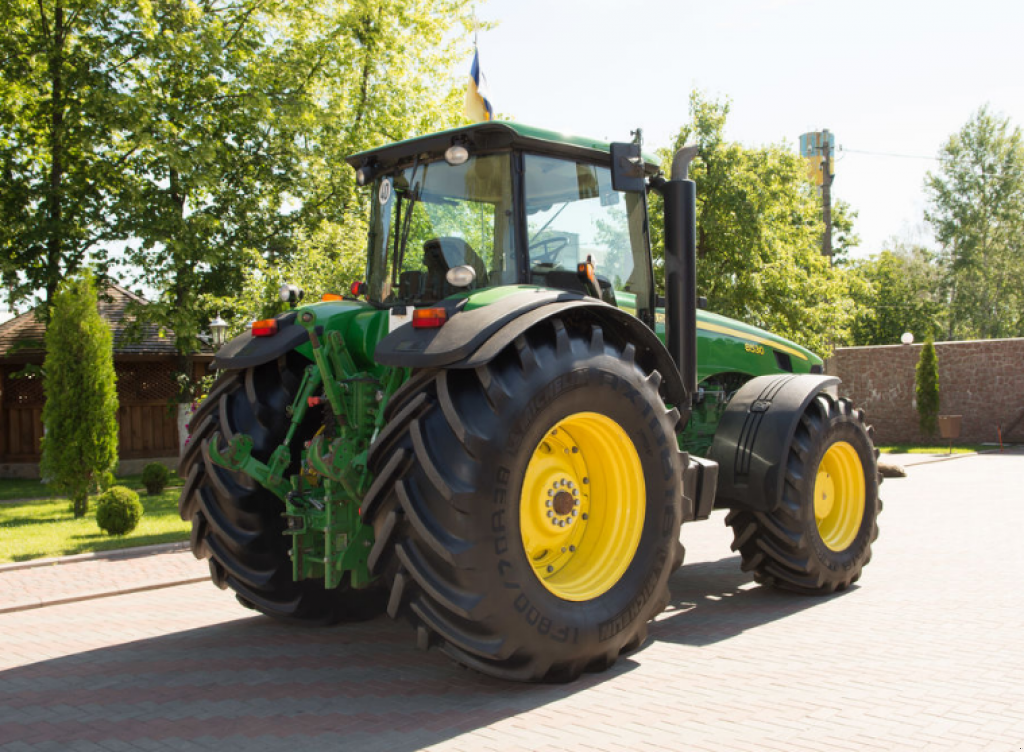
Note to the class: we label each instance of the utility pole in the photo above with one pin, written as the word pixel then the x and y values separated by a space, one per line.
pixel 826 195
pixel 816 148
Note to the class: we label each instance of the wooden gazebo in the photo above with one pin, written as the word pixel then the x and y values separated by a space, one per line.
pixel 147 416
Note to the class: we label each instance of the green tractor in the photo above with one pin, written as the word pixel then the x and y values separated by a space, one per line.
pixel 499 433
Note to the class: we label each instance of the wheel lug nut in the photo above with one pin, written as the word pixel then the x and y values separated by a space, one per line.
pixel 586 481
pixel 572 549
pixel 584 516
pixel 550 513
pixel 550 568
pixel 574 512
pixel 548 502
pixel 575 450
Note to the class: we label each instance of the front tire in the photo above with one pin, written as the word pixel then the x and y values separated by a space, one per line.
pixel 527 512
pixel 817 539
pixel 237 523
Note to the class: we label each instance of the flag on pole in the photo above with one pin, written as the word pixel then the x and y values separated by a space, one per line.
pixel 478 106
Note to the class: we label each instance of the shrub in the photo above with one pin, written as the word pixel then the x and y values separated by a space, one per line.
pixel 155 477
pixel 80 412
pixel 118 511
pixel 927 388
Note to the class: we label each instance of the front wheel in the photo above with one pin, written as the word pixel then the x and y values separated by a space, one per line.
pixel 527 513
pixel 818 537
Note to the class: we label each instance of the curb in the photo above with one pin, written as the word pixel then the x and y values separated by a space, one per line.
pixel 115 554
pixel 99 594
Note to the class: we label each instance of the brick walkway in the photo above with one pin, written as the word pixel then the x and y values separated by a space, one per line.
pixel 928 653
pixel 81 578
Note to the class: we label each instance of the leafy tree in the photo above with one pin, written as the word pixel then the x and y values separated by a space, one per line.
pixel 380 72
pixel 927 388
pixel 80 413
pixel 61 108
pixel 900 293
pixel 759 235
pixel 977 214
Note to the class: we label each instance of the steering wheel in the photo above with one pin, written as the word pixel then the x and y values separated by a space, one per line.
pixel 551 246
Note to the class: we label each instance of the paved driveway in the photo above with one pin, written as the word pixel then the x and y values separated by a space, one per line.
pixel 927 653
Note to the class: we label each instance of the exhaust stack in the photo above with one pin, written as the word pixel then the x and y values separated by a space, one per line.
pixel 680 194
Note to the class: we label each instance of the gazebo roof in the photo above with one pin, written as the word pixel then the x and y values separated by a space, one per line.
pixel 23 335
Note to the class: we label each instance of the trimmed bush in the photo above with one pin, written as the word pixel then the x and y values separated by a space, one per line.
pixel 927 388
pixel 118 511
pixel 155 477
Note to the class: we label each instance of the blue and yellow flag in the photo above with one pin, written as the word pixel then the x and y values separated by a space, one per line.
pixel 478 106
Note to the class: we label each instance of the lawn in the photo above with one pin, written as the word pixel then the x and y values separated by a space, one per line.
pixel 935 448
pixel 46 527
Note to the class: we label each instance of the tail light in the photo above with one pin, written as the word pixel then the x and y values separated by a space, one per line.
pixel 357 289
pixel 265 328
pixel 328 297
pixel 429 318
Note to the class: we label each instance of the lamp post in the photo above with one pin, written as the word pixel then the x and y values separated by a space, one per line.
pixel 907 338
pixel 218 331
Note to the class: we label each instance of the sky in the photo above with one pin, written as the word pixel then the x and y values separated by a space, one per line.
pixel 892 80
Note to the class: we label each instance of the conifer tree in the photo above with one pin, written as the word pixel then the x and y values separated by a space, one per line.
pixel 80 414
pixel 927 388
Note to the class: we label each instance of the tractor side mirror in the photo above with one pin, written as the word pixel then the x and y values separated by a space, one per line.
pixel 627 168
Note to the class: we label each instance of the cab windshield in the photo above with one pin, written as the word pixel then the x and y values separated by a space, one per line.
pixel 432 217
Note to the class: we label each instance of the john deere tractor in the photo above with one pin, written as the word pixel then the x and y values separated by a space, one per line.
pixel 497 435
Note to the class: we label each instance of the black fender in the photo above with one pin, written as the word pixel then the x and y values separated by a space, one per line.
pixel 473 338
pixel 754 435
pixel 247 351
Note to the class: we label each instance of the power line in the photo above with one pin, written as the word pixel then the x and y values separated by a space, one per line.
pixel 886 154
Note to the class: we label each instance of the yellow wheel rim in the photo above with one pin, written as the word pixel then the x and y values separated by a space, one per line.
pixel 839 496
pixel 582 507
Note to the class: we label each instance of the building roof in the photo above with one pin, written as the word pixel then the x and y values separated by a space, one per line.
pixel 23 335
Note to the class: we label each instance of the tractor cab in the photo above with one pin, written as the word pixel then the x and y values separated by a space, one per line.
pixel 500 204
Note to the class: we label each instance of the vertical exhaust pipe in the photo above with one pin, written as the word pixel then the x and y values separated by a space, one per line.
pixel 680 194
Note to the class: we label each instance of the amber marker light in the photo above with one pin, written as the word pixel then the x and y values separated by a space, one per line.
pixel 328 297
pixel 429 318
pixel 265 328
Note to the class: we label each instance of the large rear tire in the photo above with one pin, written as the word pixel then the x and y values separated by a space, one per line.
pixel 817 539
pixel 527 512
pixel 236 523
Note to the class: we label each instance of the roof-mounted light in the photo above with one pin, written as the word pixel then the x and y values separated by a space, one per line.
pixel 456 154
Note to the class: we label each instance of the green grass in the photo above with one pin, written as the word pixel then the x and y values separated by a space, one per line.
pixel 45 528
pixel 934 448
pixel 18 488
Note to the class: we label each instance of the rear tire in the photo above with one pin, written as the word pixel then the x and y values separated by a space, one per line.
pixel 817 539
pixel 236 523
pixel 459 508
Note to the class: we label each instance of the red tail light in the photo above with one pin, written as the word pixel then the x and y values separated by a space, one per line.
pixel 429 318
pixel 265 328
pixel 357 289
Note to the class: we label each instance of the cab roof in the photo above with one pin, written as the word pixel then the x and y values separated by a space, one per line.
pixel 492 136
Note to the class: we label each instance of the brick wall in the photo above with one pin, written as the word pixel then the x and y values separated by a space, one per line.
pixel 982 380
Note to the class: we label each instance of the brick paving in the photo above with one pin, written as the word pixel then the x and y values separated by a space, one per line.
pixel 76 578
pixel 927 653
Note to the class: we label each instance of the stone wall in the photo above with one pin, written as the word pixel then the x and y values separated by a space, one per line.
pixel 982 380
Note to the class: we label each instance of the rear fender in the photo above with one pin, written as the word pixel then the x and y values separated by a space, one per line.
pixel 473 338
pixel 247 351
pixel 754 435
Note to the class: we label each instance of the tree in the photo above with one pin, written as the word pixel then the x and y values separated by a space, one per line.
pixel 61 109
pixel 80 413
pixel 927 388
pixel 977 214
pixel 901 292
pixel 759 235
pixel 245 112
